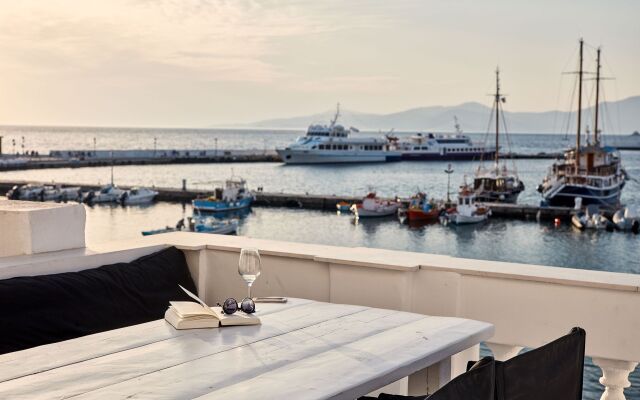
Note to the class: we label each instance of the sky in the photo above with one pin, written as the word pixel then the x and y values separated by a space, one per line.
pixel 199 63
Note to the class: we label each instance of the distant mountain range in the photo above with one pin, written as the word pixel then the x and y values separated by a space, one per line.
pixel 621 117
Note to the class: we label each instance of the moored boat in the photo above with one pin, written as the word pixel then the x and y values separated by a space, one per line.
pixel 233 196
pixel 138 196
pixel 421 209
pixel 211 225
pixel 593 172
pixel 627 219
pixel 106 194
pixel 467 211
pixel 332 143
pixel 498 183
pixel 373 206
pixel 590 218
pixel 343 206
pixel 432 147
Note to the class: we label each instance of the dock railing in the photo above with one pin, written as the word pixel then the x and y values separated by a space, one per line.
pixel 528 304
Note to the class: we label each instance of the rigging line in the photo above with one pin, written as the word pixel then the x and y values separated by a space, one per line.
pixel 509 144
pixel 486 135
pixel 569 116
pixel 558 94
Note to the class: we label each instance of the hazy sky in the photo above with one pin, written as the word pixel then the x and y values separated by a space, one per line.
pixel 200 63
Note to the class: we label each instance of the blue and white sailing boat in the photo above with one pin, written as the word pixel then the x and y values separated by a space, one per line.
pixel 233 196
pixel 592 172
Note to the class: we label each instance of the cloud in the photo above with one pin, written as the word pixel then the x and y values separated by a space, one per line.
pixel 209 40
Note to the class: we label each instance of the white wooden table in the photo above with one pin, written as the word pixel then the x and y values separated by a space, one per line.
pixel 303 350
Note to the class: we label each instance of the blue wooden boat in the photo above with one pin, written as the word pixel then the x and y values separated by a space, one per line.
pixel 233 196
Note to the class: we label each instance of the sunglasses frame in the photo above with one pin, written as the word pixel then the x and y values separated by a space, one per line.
pixel 247 306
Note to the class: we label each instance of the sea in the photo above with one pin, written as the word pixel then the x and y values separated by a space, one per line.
pixel 532 242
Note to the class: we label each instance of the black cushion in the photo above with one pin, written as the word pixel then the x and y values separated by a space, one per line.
pixel 476 384
pixel 551 372
pixel 37 310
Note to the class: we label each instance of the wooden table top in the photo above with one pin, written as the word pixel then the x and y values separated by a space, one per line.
pixel 303 350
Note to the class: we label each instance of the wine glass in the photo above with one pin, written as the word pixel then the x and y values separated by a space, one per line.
pixel 249 266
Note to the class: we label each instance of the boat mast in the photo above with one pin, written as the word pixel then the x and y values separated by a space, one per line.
pixel 497 104
pixel 596 139
pixel 335 117
pixel 579 109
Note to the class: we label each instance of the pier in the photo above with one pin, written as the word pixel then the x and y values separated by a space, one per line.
pixel 318 202
pixel 101 158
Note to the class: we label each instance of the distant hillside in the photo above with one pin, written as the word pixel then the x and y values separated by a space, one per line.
pixel 621 117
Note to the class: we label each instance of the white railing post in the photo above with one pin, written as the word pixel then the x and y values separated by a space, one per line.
pixel 615 377
pixel 502 352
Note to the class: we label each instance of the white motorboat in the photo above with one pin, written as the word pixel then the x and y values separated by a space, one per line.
pixel 590 218
pixel 106 194
pixel 59 193
pixel 138 196
pixel 372 206
pixel 627 219
pixel 25 192
pixel 467 211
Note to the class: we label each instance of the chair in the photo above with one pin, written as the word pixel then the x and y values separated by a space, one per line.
pixel 551 372
pixel 477 383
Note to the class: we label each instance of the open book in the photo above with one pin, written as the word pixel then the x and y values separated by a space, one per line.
pixel 190 315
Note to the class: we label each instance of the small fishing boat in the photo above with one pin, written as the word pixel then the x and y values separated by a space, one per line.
pixel 211 225
pixel 590 218
pixel 467 211
pixel 138 196
pixel 234 196
pixel 372 206
pixel 343 206
pixel 627 219
pixel 421 209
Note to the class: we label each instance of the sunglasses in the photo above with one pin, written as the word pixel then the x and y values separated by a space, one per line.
pixel 230 306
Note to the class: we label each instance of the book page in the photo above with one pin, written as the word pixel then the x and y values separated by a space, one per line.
pixel 187 309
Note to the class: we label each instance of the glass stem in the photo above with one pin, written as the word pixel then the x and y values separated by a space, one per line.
pixel 249 290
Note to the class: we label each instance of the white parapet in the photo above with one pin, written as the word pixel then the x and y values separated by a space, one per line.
pixel 33 227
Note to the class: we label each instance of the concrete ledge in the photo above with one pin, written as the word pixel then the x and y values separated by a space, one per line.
pixel 33 227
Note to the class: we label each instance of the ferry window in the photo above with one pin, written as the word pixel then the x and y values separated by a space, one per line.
pixel 416 148
pixel 314 147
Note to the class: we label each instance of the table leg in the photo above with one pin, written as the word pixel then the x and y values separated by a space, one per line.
pixel 428 380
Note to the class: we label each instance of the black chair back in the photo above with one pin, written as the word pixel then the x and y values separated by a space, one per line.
pixel 478 383
pixel 551 372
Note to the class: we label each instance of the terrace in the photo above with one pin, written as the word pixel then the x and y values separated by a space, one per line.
pixel 529 305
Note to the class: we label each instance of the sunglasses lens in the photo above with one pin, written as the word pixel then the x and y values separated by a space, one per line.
pixel 248 306
pixel 230 306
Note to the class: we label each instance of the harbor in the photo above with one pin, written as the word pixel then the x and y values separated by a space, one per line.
pixel 314 202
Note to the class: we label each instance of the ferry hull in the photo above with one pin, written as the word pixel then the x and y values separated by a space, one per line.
pixel 338 157
pixel 446 156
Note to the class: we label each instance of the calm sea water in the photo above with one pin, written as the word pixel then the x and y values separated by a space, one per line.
pixel 503 240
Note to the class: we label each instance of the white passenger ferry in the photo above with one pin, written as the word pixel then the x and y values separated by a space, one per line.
pixel 332 144
pixel 457 146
